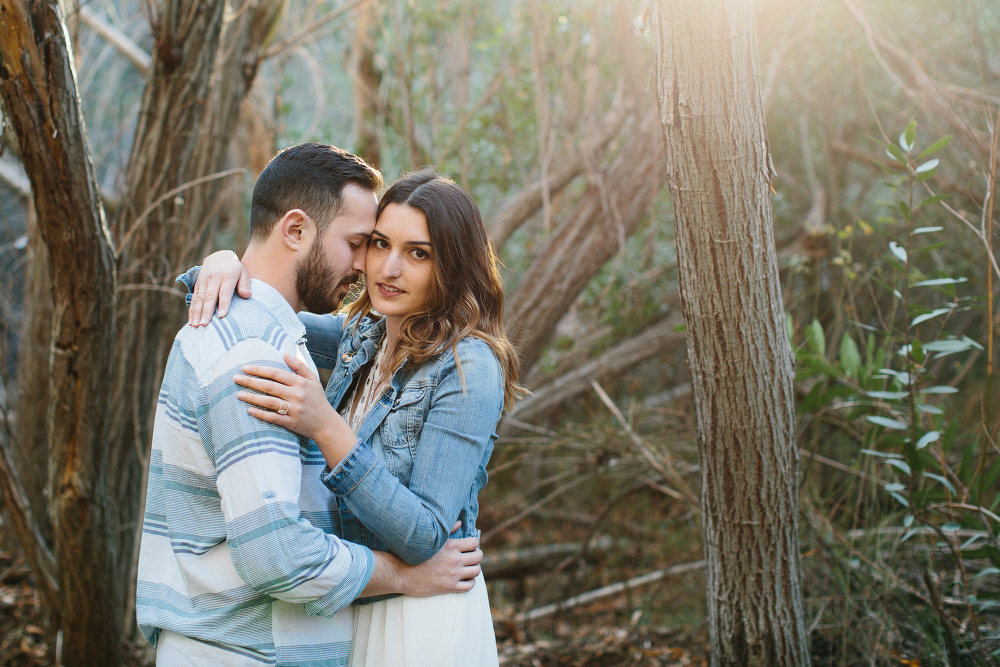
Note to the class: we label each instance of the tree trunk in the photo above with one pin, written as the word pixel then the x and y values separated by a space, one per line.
pixel 38 87
pixel 30 452
pixel 742 368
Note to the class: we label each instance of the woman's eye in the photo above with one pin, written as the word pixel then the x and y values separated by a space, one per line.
pixel 379 243
pixel 420 254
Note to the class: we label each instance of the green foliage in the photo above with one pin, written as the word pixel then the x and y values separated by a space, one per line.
pixel 893 404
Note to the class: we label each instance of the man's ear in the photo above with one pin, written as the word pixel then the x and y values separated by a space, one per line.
pixel 296 229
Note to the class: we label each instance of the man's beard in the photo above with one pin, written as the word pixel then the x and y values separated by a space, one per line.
pixel 318 284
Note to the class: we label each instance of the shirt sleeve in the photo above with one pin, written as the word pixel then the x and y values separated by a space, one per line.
pixel 274 549
pixel 455 440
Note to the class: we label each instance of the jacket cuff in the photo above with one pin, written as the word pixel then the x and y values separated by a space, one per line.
pixel 189 279
pixel 358 574
pixel 353 468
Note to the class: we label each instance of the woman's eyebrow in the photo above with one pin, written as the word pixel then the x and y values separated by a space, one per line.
pixel 383 236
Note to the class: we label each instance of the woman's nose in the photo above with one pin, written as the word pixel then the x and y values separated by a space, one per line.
pixel 391 268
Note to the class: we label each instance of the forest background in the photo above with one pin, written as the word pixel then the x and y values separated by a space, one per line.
pixel 881 118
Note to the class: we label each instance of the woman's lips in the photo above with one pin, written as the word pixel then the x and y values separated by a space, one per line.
pixel 389 292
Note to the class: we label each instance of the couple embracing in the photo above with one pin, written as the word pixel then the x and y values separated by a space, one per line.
pixel 286 524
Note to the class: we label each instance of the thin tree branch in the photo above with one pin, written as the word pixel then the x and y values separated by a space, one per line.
pixel 132 51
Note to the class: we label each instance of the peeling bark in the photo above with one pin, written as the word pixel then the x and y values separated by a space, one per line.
pixel 39 91
pixel 742 367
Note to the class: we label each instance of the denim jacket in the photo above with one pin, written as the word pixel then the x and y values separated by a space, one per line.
pixel 420 460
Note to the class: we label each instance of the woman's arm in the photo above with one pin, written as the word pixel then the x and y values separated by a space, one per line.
pixel 323 334
pixel 457 433
pixel 215 280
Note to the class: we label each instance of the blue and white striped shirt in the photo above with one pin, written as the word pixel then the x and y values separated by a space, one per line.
pixel 238 549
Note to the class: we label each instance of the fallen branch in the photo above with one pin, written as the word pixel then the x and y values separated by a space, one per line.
pixel 665 467
pixel 607 591
pixel 654 341
pixel 519 562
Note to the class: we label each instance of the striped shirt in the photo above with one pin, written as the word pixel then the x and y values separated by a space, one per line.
pixel 239 551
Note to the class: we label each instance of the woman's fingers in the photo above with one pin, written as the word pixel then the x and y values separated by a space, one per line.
pixel 272 403
pixel 300 367
pixel 268 416
pixel 275 389
pixel 279 375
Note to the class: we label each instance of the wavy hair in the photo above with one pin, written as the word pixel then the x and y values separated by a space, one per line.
pixel 466 292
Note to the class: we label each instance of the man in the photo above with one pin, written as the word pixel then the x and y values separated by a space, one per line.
pixel 239 561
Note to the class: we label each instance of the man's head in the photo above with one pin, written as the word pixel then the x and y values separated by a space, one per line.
pixel 312 212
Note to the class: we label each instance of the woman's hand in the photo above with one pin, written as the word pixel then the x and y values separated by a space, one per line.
pixel 220 274
pixel 297 402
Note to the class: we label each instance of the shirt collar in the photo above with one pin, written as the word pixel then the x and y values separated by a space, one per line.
pixel 279 307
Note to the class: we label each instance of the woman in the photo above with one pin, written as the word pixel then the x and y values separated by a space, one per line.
pixel 422 370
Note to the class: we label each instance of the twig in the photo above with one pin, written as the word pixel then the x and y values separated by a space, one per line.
pixel 666 467
pixel 167 195
pixel 310 30
pixel 535 506
pixel 132 51
pixel 606 591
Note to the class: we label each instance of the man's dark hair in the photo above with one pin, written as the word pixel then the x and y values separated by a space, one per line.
pixel 310 177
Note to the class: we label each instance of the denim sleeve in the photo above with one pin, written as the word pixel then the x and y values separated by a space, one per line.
pixel 189 278
pixel 455 440
pixel 323 334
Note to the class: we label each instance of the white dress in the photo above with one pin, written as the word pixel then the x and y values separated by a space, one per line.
pixel 451 630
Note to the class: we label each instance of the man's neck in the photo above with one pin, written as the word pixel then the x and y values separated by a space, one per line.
pixel 274 269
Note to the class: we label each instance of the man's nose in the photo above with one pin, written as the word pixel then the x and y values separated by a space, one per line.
pixel 358 259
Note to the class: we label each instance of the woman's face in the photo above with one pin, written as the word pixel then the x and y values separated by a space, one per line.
pixel 399 267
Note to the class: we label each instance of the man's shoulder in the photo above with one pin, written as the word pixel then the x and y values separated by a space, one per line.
pixel 249 329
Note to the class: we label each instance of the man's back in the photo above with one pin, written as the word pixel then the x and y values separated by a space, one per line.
pixel 237 546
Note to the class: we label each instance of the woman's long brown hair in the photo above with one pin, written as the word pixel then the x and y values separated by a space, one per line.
pixel 466 293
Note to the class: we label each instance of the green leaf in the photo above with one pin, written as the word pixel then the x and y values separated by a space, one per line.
pixel 898 251
pixel 939 389
pixel 951 526
pixel 884 455
pixel 816 338
pixel 901 465
pixel 893 151
pixel 909 136
pixel 918 352
pixel 892 488
pixel 926 230
pixel 935 147
pixel 902 501
pixel 939 281
pixel 929 409
pixel 890 395
pixel 928 438
pixel 929 316
pixel 850 358
pixel 886 422
pixel 942 480
pixel 948 345
pixel 927 166
pixel 907 521
pixel 923 176
pixel 905 210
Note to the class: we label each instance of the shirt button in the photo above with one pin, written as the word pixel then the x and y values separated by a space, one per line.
pixel 346 357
